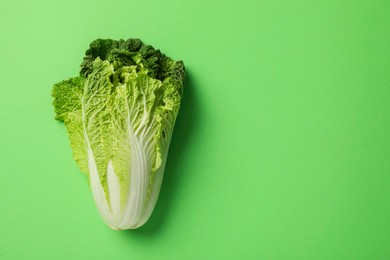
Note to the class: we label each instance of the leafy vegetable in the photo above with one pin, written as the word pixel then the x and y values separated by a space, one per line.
pixel 119 115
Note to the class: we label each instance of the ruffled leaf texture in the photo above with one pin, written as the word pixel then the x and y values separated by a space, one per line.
pixel 119 114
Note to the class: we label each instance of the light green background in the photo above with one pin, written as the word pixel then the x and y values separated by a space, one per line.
pixel 281 149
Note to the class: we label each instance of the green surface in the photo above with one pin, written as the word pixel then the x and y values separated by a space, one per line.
pixel 281 149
